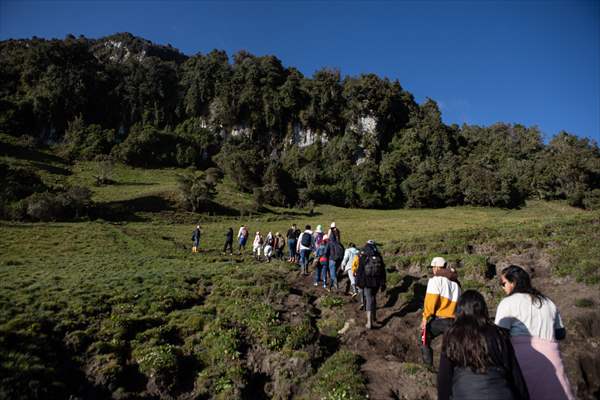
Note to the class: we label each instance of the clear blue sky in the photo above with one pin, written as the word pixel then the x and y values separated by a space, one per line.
pixel 529 62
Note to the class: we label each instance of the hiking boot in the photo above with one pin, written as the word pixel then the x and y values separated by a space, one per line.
pixel 316 284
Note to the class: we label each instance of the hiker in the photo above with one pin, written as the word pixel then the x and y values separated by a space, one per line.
pixel 371 277
pixel 335 253
pixel 318 236
pixel 346 267
pixel 269 239
pixel 291 238
pixel 228 241
pixel 443 291
pixel 279 245
pixel 477 359
pixel 243 234
pixel 257 245
pixel 322 263
pixel 535 329
pixel 334 234
pixel 268 251
pixel 196 239
pixel 305 245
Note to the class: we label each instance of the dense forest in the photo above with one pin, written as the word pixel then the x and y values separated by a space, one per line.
pixel 355 141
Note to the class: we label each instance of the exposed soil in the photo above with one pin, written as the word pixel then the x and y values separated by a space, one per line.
pixel 390 351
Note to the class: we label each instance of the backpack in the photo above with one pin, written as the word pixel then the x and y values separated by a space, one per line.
pixel 306 239
pixel 373 265
pixel 337 251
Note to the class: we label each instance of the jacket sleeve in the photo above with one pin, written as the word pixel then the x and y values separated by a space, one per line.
pixel 444 378
pixel 432 296
pixel 346 259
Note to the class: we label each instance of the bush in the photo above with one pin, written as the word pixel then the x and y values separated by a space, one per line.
pixel 74 203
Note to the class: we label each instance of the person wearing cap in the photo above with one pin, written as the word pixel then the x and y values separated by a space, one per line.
pixel 334 234
pixel 322 264
pixel 318 236
pixel 439 309
pixel 370 276
pixel 196 239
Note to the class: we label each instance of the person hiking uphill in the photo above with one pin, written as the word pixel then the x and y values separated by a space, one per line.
pixel 196 239
pixel 257 245
pixel 228 241
pixel 334 234
pixel 349 255
pixel 305 245
pixel 371 277
pixel 243 234
pixel 335 253
pixel 292 237
pixel 322 263
pixel 439 309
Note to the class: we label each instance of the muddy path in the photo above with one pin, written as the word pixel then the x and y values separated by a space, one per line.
pixel 390 352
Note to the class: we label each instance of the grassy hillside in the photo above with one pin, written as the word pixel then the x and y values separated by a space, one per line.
pixel 121 309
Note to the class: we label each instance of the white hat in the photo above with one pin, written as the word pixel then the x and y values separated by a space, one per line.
pixel 438 262
pixel 332 225
pixel 370 241
pixel 319 229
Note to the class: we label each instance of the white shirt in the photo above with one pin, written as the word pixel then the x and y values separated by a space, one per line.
pixel 525 317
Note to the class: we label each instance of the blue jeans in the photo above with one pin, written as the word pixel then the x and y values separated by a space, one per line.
pixel 304 254
pixel 292 247
pixel 332 277
pixel 320 267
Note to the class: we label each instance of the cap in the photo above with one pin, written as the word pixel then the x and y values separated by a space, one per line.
pixel 319 229
pixel 332 225
pixel 438 262
pixel 370 241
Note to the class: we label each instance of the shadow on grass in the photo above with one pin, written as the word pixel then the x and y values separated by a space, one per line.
pixel 413 305
pixel 12 150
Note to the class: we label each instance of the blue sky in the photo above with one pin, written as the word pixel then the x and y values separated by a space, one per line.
pixel 528 62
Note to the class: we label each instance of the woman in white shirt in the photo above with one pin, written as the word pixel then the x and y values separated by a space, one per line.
pixel 535 328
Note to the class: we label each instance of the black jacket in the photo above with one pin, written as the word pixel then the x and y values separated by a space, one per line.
pixel 502 381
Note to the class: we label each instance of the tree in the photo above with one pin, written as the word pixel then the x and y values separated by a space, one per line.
pixel 197 189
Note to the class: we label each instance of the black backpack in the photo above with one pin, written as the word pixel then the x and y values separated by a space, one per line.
pixel 338 251
pixel 306 239
pixel 373 265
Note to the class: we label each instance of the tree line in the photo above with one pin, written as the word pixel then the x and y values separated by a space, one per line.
pixel 355 141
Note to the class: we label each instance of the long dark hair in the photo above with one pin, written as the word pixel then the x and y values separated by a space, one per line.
pixel 465 343
pixel 520 277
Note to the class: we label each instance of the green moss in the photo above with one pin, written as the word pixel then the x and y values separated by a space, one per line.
pixel 339 378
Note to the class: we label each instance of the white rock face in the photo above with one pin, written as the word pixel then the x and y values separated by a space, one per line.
pixel 236 131
pixel 366 126
pixel 124 54
pixel 303 137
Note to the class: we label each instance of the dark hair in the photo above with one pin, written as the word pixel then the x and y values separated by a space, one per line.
pixel 351 245
pixel 307 227
pixel 465 343
pixel 520 277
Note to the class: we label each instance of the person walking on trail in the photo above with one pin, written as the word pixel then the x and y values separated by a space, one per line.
pixel 535 328
pixel 346 267
pixel 318 235
pixel 243 234
pixel 322 263
pixel 279 246
pixel 335 253
pixel 439 309
pixel 268 251
pixel 477 360
pixel 228 241
pixel 334 233
pixel 269 239
pixel 292 238
pixel 196 239
pixel 305 245
pixel 257 245
pixel 371 277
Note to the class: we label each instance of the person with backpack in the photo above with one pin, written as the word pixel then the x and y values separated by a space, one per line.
pixel 439 309
pixel 335 253
pixel 305 245
pixel 292 238
pixel 322 262
pixel 279 246
pixel 196 239
pixel 318 235
pixel 257 245
pixel 334 233
pixel 346 267
pixel 371 277
pixel 228 241
pixel 243 234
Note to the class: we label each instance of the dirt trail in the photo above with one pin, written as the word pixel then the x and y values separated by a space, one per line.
pixel 390 353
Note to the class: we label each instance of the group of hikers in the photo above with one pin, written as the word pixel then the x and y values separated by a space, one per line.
pixel 516 356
